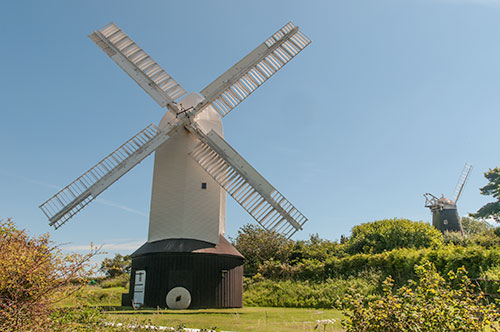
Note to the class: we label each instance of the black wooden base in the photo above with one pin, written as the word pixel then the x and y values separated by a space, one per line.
pixel 213 274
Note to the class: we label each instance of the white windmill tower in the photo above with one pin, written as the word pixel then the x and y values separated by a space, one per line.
pixel 186 255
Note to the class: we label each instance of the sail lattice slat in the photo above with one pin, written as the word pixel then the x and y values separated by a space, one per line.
pixel 138 64
pixel 236 84
pixel 461 182
pixel 72 198
pixel 257 196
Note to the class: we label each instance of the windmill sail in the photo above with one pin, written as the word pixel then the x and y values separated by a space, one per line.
pixel 72 198
pixel 138 65
pixel 461 182
pixel 237 83
pixel 250 189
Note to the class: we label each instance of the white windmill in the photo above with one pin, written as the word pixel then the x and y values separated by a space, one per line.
pixel 193 164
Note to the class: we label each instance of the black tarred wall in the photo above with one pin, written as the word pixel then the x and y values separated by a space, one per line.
pixel 214 280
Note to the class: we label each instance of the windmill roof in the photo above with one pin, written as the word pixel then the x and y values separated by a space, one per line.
pixel 188 246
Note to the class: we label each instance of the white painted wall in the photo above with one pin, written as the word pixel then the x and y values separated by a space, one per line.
pixel 180 208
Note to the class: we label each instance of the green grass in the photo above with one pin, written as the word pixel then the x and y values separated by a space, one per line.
pixel 243 319
pixel 96 296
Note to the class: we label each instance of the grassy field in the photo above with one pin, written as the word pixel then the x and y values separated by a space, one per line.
pixel 243 319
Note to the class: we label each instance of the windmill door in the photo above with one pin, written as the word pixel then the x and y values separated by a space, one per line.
pixel 139 288
pixel 225 288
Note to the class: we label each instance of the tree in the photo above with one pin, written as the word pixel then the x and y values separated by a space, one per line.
pixel 34 275
pixel 389 234
pixel 492 209
pixel 474 226
pixel 259 245
pixel 116 266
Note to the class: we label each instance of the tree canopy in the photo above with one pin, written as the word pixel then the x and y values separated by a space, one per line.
pixel 259 245
pixel 492 209
pixel 116 266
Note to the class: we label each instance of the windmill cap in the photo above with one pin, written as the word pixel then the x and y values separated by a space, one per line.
pixel 446 201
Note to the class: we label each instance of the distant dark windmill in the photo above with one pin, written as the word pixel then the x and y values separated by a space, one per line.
pixel 444 210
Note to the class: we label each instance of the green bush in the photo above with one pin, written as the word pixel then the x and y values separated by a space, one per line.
pixel 399 263
pixel 258 245
pixel 118 281
pixel 389 234
pixel 432 303
pixel 315 249
pixel 95 295
pixel 489 280
pixel 305 294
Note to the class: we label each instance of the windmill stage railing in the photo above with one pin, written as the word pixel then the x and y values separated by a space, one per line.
pixel 79 193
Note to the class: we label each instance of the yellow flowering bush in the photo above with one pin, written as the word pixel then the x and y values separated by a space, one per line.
pixel 34 275
pixel 432 303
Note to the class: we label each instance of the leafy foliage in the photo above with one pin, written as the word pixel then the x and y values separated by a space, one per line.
pixel 491 210
pixel 315 249
pixel 118 281
pixel 257 246
pixel 307 294
pixel 472 226
pixel 34 276
pixel 432 303
pixel 116 266
pixel 389 234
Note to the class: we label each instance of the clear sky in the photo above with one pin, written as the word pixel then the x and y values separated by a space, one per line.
pixel 389 102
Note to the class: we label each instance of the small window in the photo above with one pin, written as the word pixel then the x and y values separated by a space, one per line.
pixel 203 185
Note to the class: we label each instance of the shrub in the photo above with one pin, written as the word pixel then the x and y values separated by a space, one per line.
pixel 399 263
pixel 389 234
pixel 315 249
pixel 306 294
pixel 432 303
pixel 490 280
pixel 34 275
pixel 118 281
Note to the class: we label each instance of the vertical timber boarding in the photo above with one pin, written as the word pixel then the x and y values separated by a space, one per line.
pixel 213 280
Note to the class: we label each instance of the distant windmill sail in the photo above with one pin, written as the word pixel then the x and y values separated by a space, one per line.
pixel 461 182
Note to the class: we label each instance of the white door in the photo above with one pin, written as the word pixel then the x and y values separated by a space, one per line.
pixel 139 288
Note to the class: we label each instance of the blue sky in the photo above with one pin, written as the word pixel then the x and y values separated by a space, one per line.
pixel 390 101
